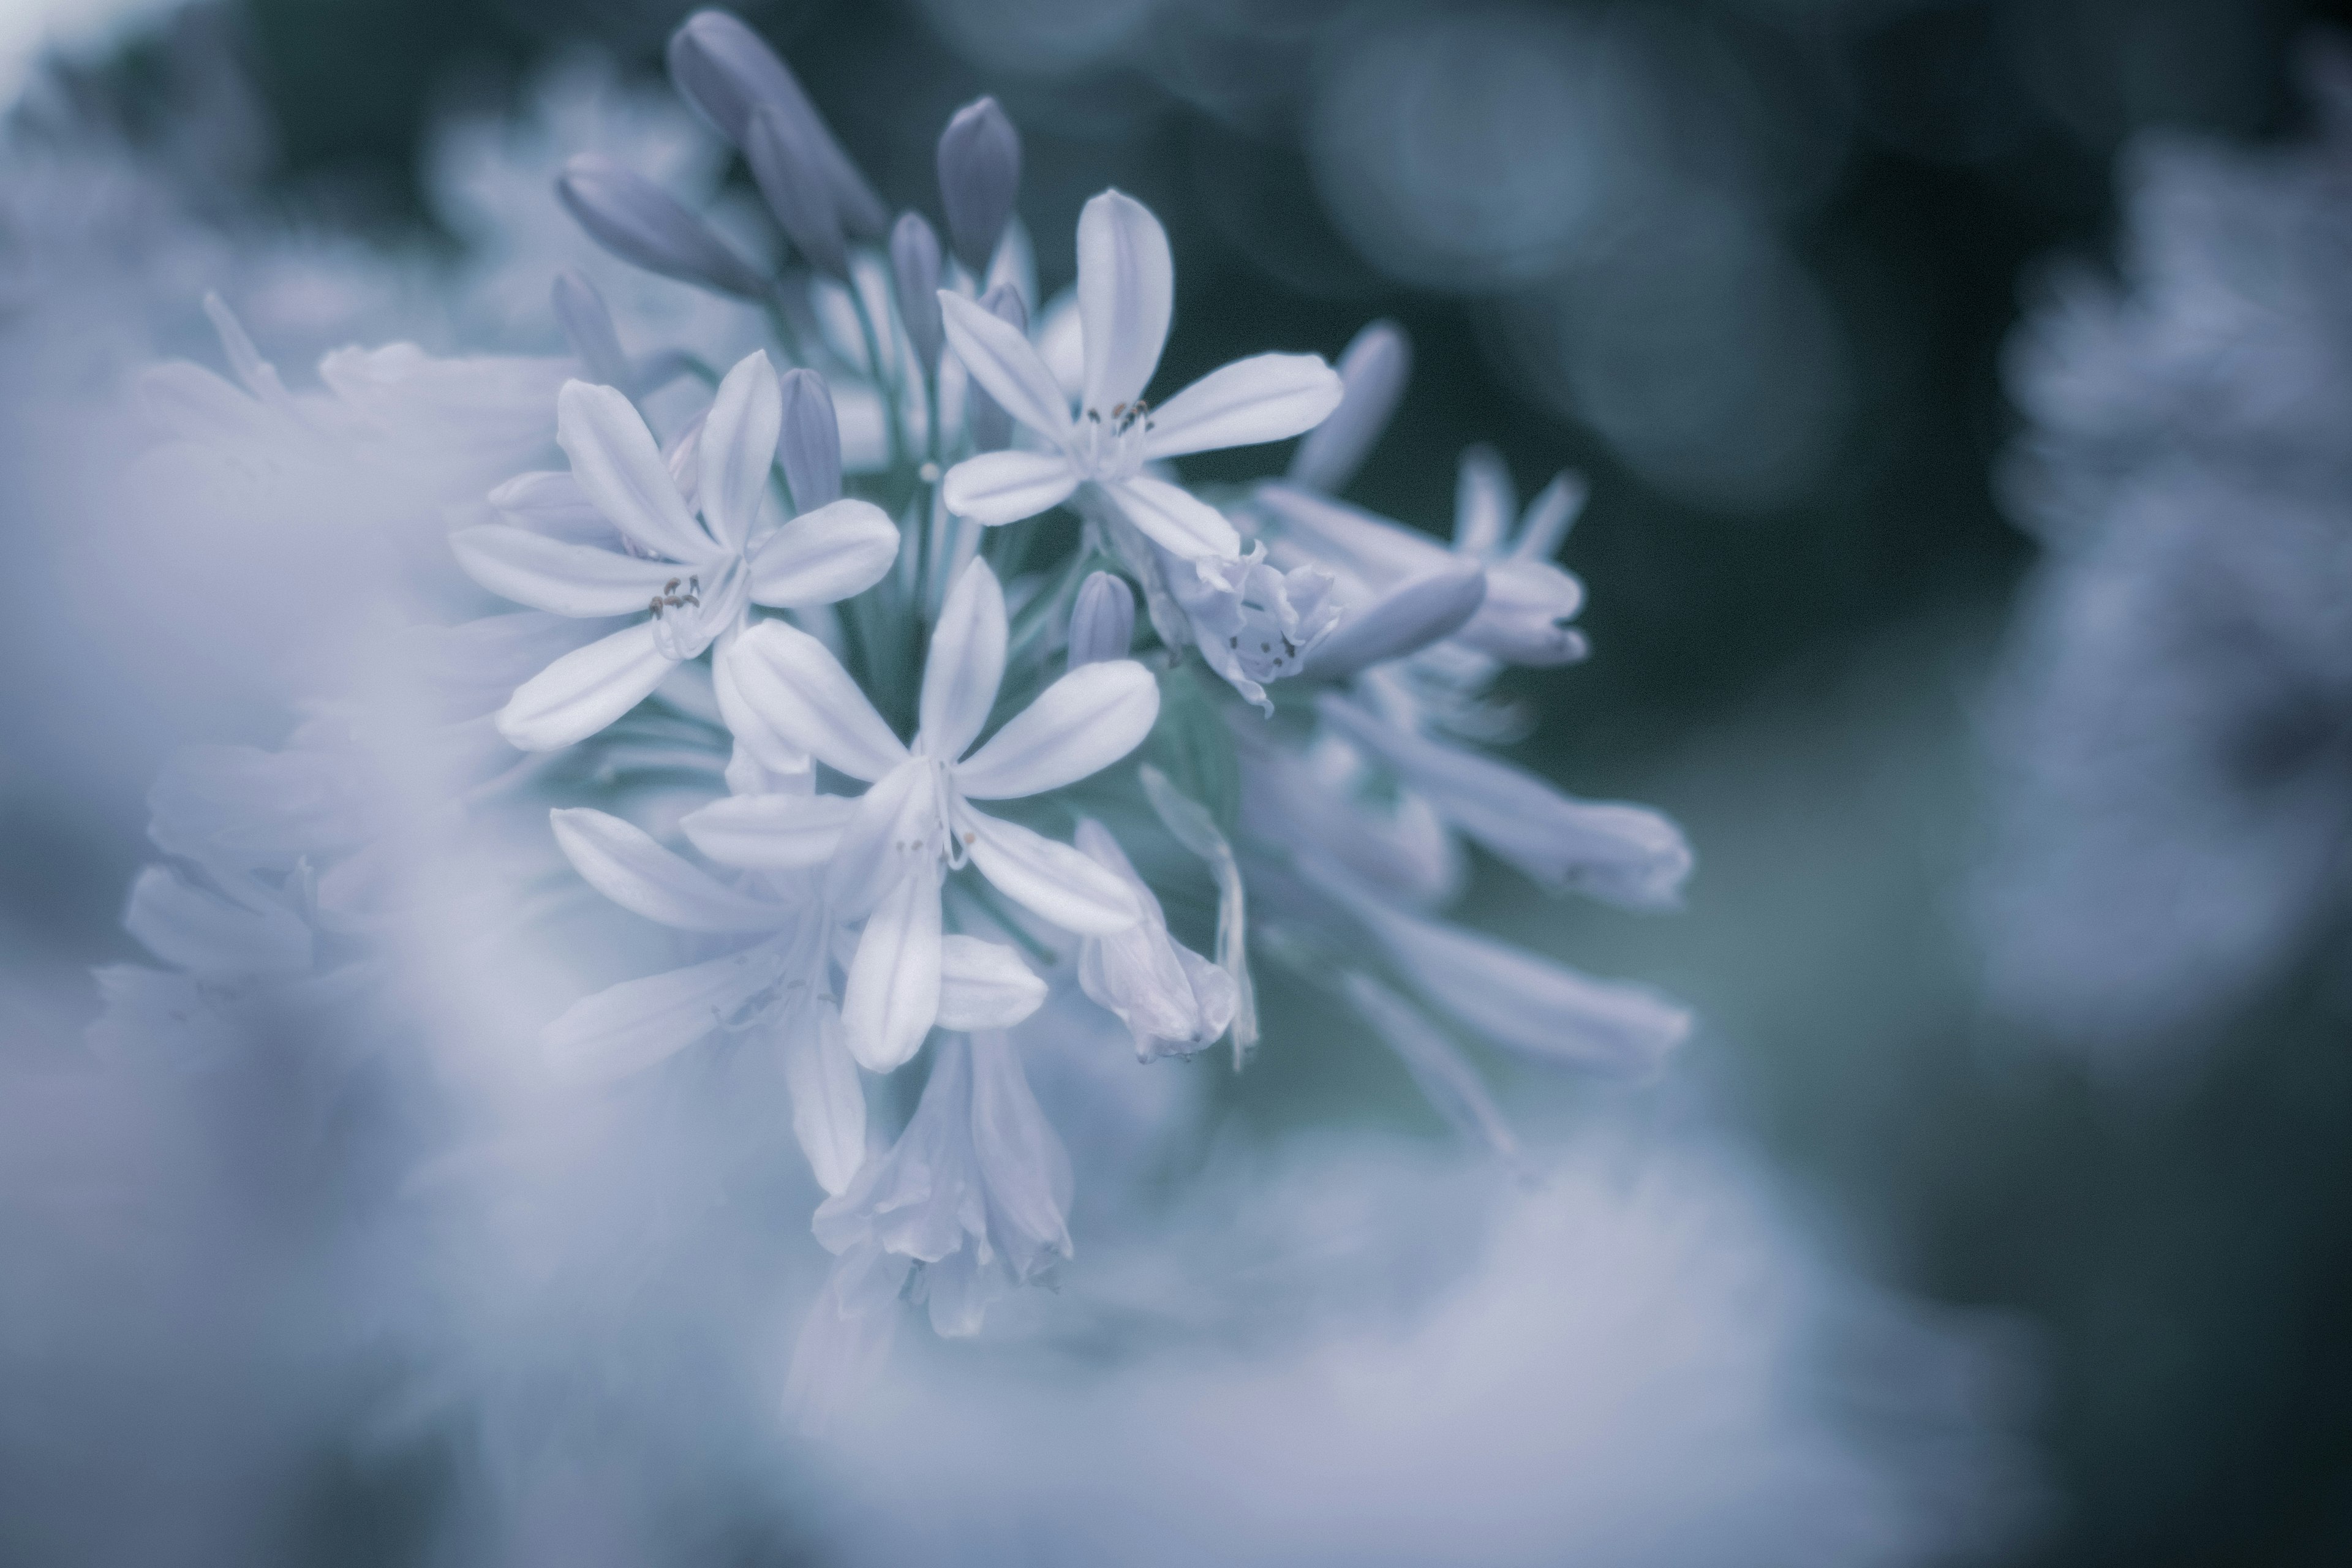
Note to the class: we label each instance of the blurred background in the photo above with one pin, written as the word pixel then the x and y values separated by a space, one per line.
pixel 1758 268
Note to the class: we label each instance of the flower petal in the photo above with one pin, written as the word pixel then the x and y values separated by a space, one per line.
pixel 1004 362
pixel 769 832
pixel 893 825
pixel 738 447
pixel 1022 1160
pixel 984 986
pixel 828 1102
pixel 1126 291
pixel 1051 879
pixel 965 666
pixel 753 734
pixel 577 579
pixel 1548 518
pixel 1404 620
pixel 585 689
pixel 1005 487
pixel 1372 547
pixel 893 995
pixel 1078 726
pixel 621 860
pixel 1266 397
pixel 629 1026
pixel 824 556
pixel 1374 368
pixel 1447 1079
pixel 1174 518
pixel 800 689
pixel 1483 502
pixel 621 471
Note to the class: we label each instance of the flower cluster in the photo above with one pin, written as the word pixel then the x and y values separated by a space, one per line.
pixel 894 671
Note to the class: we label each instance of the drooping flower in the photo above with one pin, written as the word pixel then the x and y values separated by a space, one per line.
pixel 694 580
pixel 1170 998
pixel 1126 297
pixel 917 822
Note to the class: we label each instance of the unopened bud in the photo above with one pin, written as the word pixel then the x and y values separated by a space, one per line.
pixel 915 275
pixel 810 446
pixel 1372 371
pixel 1406 619
pixel 792 181
pixel 980 176
pixel 990 427
pixel 728 72
pixel 587 321
pixel 643 225
pixel 1102 622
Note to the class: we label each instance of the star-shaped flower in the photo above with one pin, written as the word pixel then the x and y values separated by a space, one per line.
pixel 1125 296
pixel 693 580
pixel 918 822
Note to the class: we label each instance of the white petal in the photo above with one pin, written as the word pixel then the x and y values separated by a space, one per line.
pixel 1374 368
pixel 1127 290
pixel 1078 726
pixel 1406 619
pixel 1052 879
pixel 621 860
pixel 1174 518
pixel 201 931
pixel 1003 361
pixel 800 689
pixel 621 471
pixel 577 579
pixel 1021 1161
pixel 1447 1080
pixel 1548 518
pixel 965 665
pixel 584 690
pixel 1527 601
pixel 753 734
pixel 738 447
pixel 550 502
pixel 769 832
pixel 824 556
pixel 1531 1004
pixel 1007 485
pixel 984 986
pixel 1266 397
pixel 894 826
pixel 828 1102
pixel 1483 502
pixel 893 995
pixel 637 1023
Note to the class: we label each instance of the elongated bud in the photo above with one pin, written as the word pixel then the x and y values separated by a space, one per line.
pixel 1406 619
pixel 580 311
pixel 728 72
pixel 990 427
pixel 915 274
pixel 792 181
pixel 980 176
pixel 810 448
pixel 1373 370
pixel 643 225
pixel 1102 622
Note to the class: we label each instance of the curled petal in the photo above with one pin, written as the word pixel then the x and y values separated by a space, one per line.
pixel 824 556
pixel 1266 397
pixel 1051 879
pixel 1078 726
pixel 585 689
pixel 621 860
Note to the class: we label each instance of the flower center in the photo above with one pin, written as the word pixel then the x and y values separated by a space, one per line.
pixel 688 614
pixel 1110 445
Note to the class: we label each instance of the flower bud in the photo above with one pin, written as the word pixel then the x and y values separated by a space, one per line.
pixel 587 321
pixel 792 181
pixel 1102 622
pixel 915 274
pixel 979 175
pixel 1404 620
pixel 643 225
pixel 1373 371
pixel 810 446
pixel 728 72
pixel 990 427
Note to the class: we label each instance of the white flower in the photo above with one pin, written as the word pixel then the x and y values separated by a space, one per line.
pixel 694 581
pixel 1126 295
pixel 1252 623
pixel 1173 1001
pixel 781 985
pixel 917 823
